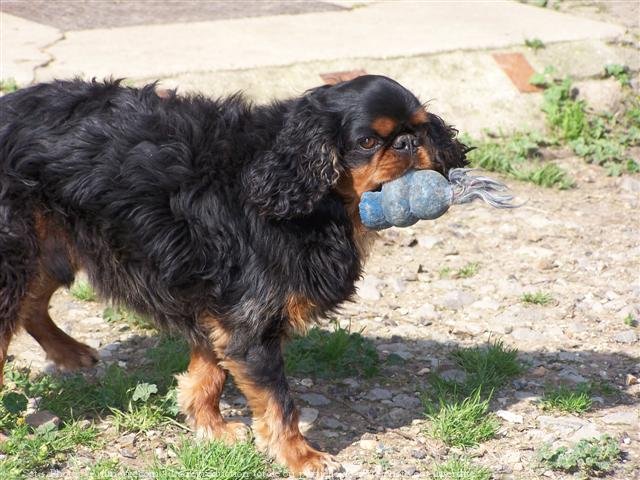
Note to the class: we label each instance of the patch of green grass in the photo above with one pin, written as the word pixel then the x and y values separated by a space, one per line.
pixel 8 85
pixel 213 460
pixel 108 469
pixel 29 451
pixel 518 156
pixel 601 139
pixel 486 369
pixel 629 321
pixel 537 298
pixel 463 423
pixel 566 116
pixel 468 271
pixel 576 400
pixel 596 456
pixel 459 468
pixel 118 391
pixel 332 354
pixel 82 290
pixel 122 315
pixel 619 72
pixel 534 43
pixel 444 272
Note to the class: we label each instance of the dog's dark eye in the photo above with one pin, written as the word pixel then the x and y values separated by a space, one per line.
pixel 368 142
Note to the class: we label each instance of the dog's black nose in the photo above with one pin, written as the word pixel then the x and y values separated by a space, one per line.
pixel 405 142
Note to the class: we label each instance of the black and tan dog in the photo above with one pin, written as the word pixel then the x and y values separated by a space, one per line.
pixel 232 223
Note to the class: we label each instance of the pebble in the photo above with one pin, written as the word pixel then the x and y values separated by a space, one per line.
pixel 351 468
pixel 509 416
pixel 585 432
pixel 379 394
pixel 428 242
pixel 406 401
pixel 626 336
pixel 41 418
pixel 622 418
pixel 454 375
pixel 525 334
pixel 307 417
pixel 368 288
pixel 419 453
pixel 456 299
pixel 368 444
pixel 315 399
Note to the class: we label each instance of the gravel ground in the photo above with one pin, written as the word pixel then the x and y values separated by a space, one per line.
pixel 581 246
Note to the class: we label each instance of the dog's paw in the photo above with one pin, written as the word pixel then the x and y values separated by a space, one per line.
pixel 74 356
pixel 228 432
pixel 320 466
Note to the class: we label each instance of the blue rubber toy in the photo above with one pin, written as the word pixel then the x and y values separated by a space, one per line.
pixel 425 195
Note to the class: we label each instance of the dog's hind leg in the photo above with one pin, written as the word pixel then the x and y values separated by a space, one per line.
pixel 199 391
pixel 55 268
pixel 66 352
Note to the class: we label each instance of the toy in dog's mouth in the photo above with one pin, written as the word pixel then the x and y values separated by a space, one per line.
pixel 426 195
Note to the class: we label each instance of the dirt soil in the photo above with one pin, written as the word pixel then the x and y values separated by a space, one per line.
pixel 582 246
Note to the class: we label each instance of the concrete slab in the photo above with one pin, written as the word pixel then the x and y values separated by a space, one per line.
pixel 22 47
pixel 376 30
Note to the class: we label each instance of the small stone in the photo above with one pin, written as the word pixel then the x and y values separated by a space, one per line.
pixel 306 382
pixel 409 470
pixel 626 336
pixel 93 342
pixel 368 444
pixel 630 184
pixel 315 399
pixel 424 371
pixel 428 242
pixel 368 288
pixel 454 375
pixel 42 418
pixel 539 371
pixel 585 432
pixel 571 376
pixel 525 334
pixel 621 418
pixel 379 394
pixel 419 453
pixel 306 418
pixel 406 401
pixel 125 452
pixel 630 379
pixel 509 416
pixel 397 285
pixel 351 468
pixel 456 299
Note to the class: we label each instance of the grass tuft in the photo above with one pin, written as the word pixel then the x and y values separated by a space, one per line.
pixel 81 289
pixel 537 298
pixel 577 400
pixel 518 156
pixel 459 468
pixel 619 72
pixel 30 451
pixel 8 85
pixel 534 43
pixel 122 315
pixel 213 460
pixel 329 354
pixel 462 423
pixel 595 456
pixel 486 369
pixel 629 321
pixel 468 271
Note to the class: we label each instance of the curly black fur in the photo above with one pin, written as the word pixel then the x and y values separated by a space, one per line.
pixel 184 206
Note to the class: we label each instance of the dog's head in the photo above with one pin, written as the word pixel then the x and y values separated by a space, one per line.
pixel 349 138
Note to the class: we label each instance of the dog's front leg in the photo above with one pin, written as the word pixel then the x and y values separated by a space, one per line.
pixel 259 373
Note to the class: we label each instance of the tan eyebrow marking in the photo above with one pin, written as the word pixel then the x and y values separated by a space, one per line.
pixel 383 126
pixel 418 117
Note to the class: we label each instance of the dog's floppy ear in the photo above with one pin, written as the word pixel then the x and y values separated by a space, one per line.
pixel 299 169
